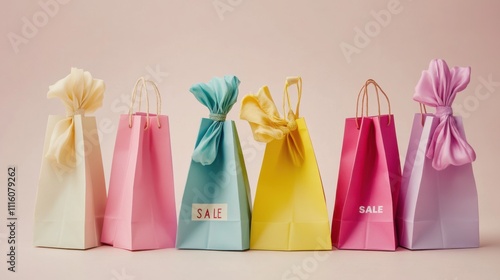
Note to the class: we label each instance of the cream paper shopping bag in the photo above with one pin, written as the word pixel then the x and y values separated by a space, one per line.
pixel 71 193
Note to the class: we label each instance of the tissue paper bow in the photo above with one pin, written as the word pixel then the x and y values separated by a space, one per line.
pixel 266 123
pixel 219 96
pixel 437 88
pixel 80 94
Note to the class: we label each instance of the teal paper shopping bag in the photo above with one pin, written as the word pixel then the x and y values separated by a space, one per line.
pixel 215 209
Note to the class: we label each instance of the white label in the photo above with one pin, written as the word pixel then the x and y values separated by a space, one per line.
pixel 209 212
pixel 371 209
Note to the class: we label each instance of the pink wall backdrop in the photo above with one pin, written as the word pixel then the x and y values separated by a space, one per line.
pixel 334 45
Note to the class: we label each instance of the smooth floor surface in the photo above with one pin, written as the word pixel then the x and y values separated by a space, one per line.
pixel 109 263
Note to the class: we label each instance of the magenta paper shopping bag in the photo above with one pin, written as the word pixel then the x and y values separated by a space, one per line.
pixel 140 212
pixel 368 183
pixel 438 206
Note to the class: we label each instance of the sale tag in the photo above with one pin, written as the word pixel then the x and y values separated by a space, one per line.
pixel 209 212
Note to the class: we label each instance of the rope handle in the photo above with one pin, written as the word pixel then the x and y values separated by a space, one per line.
pixel 140 85
pixel 364 89
pixel 290 81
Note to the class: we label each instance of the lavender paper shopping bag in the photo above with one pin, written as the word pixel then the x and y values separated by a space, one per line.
pixel 438 207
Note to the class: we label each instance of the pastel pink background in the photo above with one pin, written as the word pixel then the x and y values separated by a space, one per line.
pixel 261 42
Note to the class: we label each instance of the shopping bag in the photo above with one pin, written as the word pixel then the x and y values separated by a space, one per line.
pixel 289 210
pixel 369 181
pixel 215 209
pixel 438 206
pixel 140 211
pixel 71 191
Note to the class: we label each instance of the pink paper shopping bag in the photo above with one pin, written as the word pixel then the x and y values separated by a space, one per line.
pixel 438 206
pixel 369 181
pixel 140 212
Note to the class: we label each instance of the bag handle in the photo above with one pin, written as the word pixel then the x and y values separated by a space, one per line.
pixel 141 85
pixel 290 81
pixel 364 89
pixel 423 110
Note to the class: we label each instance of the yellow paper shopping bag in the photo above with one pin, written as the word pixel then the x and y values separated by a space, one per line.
pixel 289 210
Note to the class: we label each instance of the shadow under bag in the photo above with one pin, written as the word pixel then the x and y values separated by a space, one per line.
pixel 369 181
pixel 140 212
pixel 215 209
pixel 438 206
